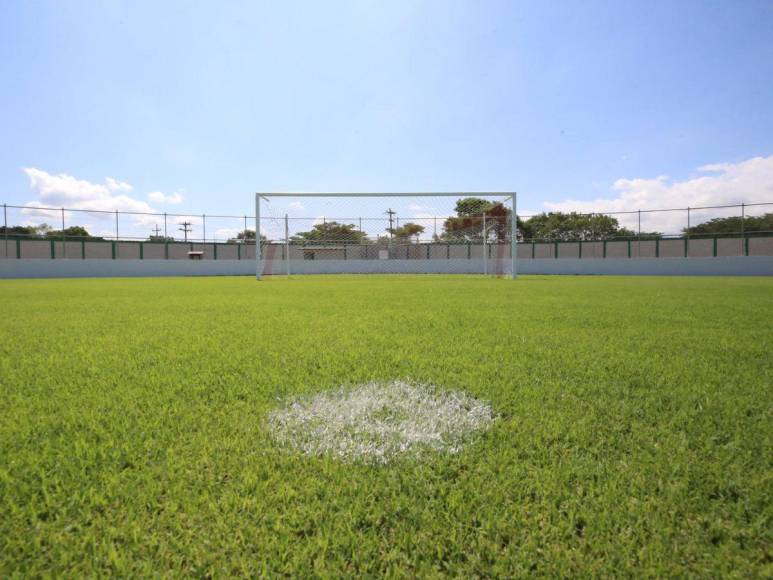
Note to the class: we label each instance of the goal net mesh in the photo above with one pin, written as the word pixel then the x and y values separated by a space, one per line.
pixel 464 233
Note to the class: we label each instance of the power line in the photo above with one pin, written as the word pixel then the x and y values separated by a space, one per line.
pixel 391 213
pixel 186 227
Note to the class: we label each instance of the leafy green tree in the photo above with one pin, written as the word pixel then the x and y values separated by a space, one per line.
pixel 732 225
pixel 407 231
pixel 26 231
pixel 472 206
pixel 626 234
pixel 73 232
pixel 43 229
pixel 467 225
pixel 576 226
pixel 247 236
pixel 331 232
pixel 46 231
pixel 573 226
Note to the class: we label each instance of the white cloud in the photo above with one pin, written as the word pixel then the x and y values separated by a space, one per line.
pixel 115 185
pixel 728 184
pixel 159 197
pixel 67 191
pixel 226 233
pixel 35 209
pixel 296 205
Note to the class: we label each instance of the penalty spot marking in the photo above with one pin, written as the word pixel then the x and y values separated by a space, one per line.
pixel 378 421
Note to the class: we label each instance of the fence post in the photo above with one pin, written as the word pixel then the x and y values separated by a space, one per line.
pixel 287 244
pixel 533 250
pixel 629 248
pixel 238 251
pixel 555 250
pixel 5 227
pixel 142 251
pixel 485 257
pixel 580 252
pixel 258 249
pixel 112 247
pixel 604 249
pixel 657 247
pixel 64 245
pixel 18 249
pixel 638 239
pixel 715 246
pixel 83 249
pixel 53 250
pixel 687 236
pixel 746 245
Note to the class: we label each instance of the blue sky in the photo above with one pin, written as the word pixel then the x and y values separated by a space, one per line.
pixel 191 106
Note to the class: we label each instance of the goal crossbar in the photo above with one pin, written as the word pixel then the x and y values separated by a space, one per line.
pixel 459 194
pixel 386 194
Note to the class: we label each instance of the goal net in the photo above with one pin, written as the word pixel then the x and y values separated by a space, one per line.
pixel 334 233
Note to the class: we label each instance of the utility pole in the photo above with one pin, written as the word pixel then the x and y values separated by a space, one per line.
pixel 156 231
pixel 391 213
pixel 186 227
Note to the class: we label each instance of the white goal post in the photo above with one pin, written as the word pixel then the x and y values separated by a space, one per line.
pixel 358 233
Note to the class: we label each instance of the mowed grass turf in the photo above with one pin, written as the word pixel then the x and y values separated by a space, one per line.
pixel 633 430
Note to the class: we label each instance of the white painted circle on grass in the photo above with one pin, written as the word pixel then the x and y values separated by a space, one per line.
pixel 376 422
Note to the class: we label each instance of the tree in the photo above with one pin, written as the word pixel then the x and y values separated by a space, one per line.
pixel 78 232
pixel 408 230
pixel 472 206
pixel 332 233
pixel 46 231
pixel 247 236
pixel 626 234
pixel 26 231
pixel 573 226
pixel 733 225
pixel 576 226
pixel 467 226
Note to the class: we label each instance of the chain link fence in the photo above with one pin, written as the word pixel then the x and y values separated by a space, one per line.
pixel 34 231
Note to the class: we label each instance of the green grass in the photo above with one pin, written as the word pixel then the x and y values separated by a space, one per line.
pixel 633 432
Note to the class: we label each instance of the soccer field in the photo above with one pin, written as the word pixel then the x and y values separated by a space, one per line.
pixel 632 430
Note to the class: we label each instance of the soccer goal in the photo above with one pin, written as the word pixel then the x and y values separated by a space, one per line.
pixel 360 233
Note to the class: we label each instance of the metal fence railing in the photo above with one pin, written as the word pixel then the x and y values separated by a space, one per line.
pixel 32 231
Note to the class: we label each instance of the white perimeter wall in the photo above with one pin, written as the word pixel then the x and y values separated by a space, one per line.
pixel 724 266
